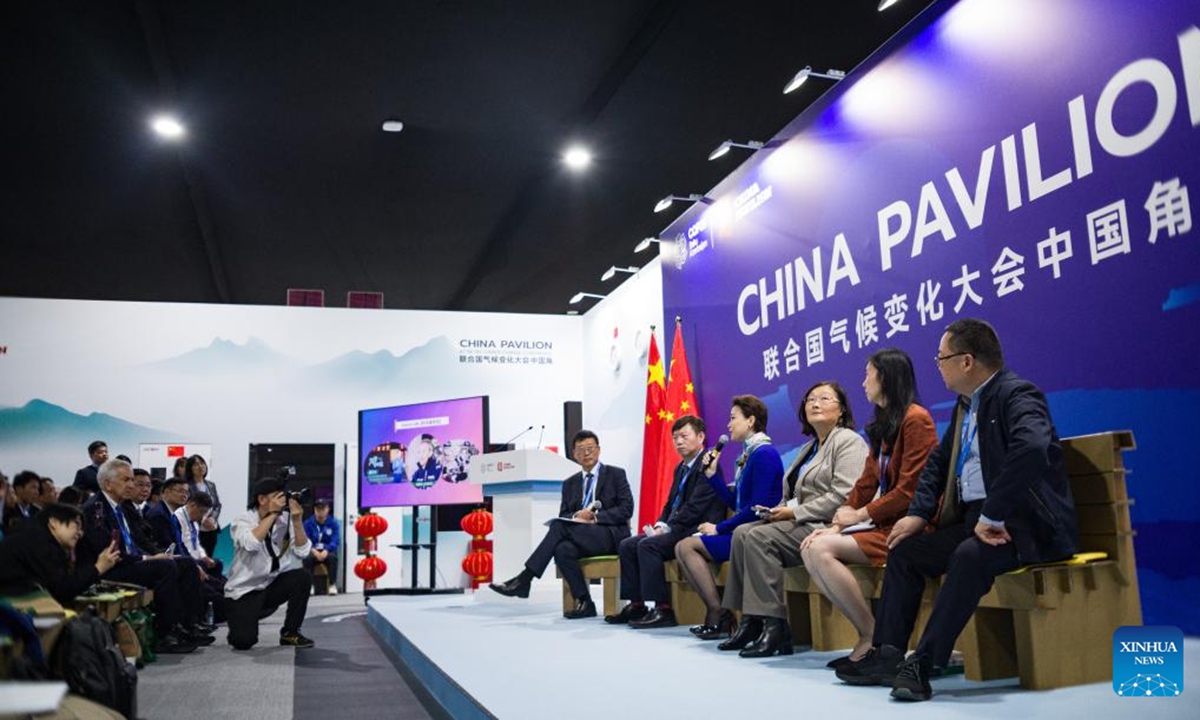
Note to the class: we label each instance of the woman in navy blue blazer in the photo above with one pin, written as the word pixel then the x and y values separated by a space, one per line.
pixel 757 481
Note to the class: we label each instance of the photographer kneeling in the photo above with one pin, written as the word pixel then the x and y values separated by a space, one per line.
pixel 269 550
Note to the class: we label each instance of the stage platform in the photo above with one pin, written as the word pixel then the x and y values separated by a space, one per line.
pixel 484 656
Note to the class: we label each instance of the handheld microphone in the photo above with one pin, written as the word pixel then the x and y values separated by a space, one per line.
pixel 713 455
pixel 595 506
pixel 518 435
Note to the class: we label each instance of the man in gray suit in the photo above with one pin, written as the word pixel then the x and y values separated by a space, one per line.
pixel 816 485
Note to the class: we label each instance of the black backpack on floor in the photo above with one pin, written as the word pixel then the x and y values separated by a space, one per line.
pixel 87 657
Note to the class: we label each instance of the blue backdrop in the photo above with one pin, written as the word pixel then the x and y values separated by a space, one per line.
pixel 1026 162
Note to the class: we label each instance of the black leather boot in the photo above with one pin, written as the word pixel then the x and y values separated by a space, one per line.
pixel 748 629
pixel 776 637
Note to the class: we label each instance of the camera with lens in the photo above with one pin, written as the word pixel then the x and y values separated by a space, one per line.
pixel 285 475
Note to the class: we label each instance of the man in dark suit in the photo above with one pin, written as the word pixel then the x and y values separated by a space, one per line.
pixel 690 502
pixel 39 556
pixel 85 477
pixel 161 515
pixel 103 522
pixel 997 493
pixel 27 488
pixel 593 519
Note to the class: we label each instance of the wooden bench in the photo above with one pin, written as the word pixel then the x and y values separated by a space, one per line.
pixel 1051 626
pixel 606 569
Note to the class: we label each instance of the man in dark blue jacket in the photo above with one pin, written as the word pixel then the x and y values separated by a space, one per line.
pixel 690 501
pixel 996 492
pixel 593 518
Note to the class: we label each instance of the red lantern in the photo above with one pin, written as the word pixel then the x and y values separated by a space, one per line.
pixel 477 522
pixel 478 565
pixel 370 569
pixel 370 525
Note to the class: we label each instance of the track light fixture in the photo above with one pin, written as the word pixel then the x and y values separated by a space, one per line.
pixel 723 148
pixel 581 295
pixel 645 244
pixel 666 202
pixel 612 271
pixel 808 72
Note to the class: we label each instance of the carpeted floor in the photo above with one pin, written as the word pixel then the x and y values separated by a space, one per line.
pixel 348 672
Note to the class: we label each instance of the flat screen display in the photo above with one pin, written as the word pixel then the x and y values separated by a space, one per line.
pixel 420 454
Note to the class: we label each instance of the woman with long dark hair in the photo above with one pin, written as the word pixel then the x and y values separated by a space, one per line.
pixel 756 482
pixel 196 473
pixel 901 435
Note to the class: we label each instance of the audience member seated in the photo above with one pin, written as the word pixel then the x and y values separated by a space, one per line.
pixel 27 490
pixel 995 491
pixel 269 548
pixel 901 436
pixel 325 533
pixel 103 521
pixel 211 571
pixel 40 557
pixel 595 510
pixel 85 477
pixel 690 501
pixel 49 494
pixel 756 482
pixel 73 495
pixel 815 486
pixel 5 499
pixel 161 516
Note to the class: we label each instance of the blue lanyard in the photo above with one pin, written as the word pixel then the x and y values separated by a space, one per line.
pixel 965 444
pixel 125 536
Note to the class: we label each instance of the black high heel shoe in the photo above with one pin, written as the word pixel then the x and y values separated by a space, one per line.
pixel 723 628
pixel 776 637
pixel 749 629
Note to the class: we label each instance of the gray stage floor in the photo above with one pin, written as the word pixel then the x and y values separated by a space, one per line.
pixel 348 673
pixel 520 659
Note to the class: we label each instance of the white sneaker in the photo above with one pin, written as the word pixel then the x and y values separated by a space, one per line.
pixel 333 589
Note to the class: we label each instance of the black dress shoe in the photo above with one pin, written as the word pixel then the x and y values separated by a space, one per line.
pixel 912 680
pixel 721 629
pixel 583 609
pixel 172 644
pixel 190 635
pixel 776 637
pixel 204 628
pixel 628 613
pixel 878 667
pixel 657 618
pixel 295 639
pixel 515 587
pixel 747 632
pixel 839 662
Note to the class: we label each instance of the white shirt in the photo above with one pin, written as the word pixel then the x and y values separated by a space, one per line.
pixel 190 532
pixel 252 563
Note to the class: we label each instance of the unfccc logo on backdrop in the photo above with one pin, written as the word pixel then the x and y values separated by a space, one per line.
pixel 1148 661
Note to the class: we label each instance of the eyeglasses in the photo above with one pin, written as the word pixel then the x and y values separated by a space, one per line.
pixel 939 359
pixel 586 449
pixel 823 400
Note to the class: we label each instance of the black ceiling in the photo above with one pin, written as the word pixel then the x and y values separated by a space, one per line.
pixel 286 179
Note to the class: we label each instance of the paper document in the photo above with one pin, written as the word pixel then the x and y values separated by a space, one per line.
pixel 859 527
pixel 553 520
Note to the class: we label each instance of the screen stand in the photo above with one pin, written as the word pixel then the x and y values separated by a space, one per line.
pixel 415 548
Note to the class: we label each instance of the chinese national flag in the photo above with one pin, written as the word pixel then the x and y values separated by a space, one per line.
pixel 656 393
pixel 680 401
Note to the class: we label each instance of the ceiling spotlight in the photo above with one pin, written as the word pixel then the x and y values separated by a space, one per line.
pixel 167 127
pixel 581 295
pixel 885 4
pixel 577 157
pixel 808 72
pixel 723 148
pixel 645 244
pixel 666 202
pixel 572 312
pixel 392 126
pixel 610 273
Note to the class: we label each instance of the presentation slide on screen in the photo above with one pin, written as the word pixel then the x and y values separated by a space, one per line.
pixel 420 454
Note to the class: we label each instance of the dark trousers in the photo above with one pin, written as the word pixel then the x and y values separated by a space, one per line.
pixel 208 541
pixel 330 563
pixel 161 576
pixel 565 543
pixel 191 589
pixel 242 615
pixel 970 567
pixel 642 559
